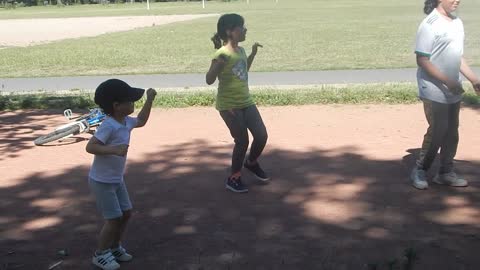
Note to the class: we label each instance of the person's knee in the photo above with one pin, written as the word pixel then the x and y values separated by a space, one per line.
pixel 440 130
pixel 454 137
pixel 265 136
pixel 242 141
pixel 261 137
pixel 453 126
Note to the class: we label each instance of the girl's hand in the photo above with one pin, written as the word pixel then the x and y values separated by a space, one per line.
pixel 216 68
pixel 457 91
pixel 455 87
pixel 476 87
pixel 151 93
pixel 221 61
pixel 255 47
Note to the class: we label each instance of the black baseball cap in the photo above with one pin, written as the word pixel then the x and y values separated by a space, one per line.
pixel 115 90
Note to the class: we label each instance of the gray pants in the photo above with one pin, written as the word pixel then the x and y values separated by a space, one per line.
pixel 238 122
pixel 442 133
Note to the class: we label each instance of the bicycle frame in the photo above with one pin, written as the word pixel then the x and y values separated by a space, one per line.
pixel 93 118
pixel 77 125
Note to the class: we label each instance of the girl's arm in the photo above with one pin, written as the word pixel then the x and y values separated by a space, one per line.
pixel 470 75
pixel 424 62
pixel 253 54
pixel 144 114
pixel 97 147
pixel 215 68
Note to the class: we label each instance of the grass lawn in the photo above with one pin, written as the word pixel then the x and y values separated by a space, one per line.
pixel 297 35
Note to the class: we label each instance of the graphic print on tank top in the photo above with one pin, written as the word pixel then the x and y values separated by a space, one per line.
pixel 240 70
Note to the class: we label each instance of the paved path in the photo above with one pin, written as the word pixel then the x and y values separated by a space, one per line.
pixel 198 79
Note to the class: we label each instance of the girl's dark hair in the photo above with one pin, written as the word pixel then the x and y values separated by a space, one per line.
pixel 226 22
pixel 430 5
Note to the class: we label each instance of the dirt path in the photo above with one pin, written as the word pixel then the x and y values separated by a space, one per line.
pixel 25 32
pixel 339 198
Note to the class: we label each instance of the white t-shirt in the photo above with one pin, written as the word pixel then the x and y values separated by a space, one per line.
pixel 110 168
pixel 442 42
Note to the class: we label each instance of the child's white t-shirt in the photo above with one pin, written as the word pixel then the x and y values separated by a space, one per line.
pixel 442 42
pixel 110 168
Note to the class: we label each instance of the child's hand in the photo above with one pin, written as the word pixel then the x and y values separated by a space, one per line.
pixel 255 47
pixel 221 61
pixel 151 93
pixel 455 87
pixel 476 87
pixel 120 150
pixel 457 91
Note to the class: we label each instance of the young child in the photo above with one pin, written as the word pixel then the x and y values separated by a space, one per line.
pixel 439 50
pixel 110 146
pixel 230 65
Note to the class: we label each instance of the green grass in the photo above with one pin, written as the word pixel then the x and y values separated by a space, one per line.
pixel 46 101
pixel 398 93
pixel 297 35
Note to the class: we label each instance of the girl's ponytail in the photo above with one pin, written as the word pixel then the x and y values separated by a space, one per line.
pixel 217 41
pixel 430 5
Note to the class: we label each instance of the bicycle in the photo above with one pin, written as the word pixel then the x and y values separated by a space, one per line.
pixel 81 124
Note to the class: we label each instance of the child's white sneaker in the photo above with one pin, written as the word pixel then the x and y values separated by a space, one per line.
pixel 121 254
pixel 106 261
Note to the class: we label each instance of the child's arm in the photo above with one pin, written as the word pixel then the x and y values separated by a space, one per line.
pixel 97 147
pixel 252 55
pixel 424 62
pixel 144 114
pixel 470 75
pixel 215 68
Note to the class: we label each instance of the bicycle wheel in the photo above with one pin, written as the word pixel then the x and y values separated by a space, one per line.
pixel 57 134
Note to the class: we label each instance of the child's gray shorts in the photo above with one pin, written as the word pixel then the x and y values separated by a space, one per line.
pixel 112 198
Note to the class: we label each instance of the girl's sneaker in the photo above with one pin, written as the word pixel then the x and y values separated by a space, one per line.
pixel 105 261
pixel 450 179
pixel 235 185
pixel 419 178
pixel 121 254
pixel 259 173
